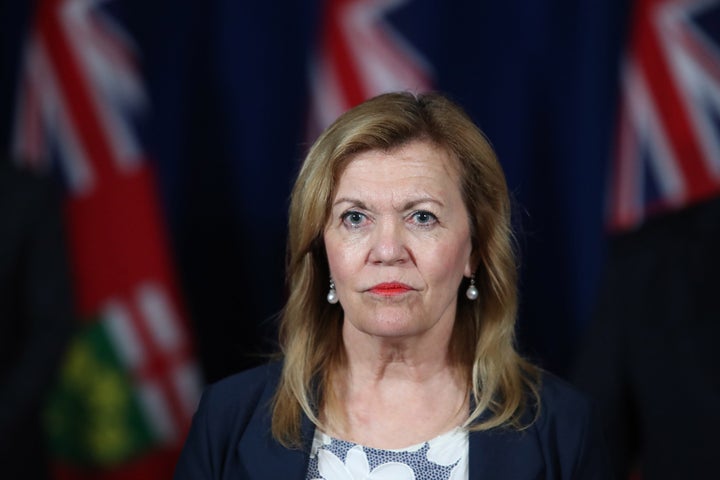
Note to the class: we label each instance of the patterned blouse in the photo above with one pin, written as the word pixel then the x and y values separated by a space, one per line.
pixel 443 458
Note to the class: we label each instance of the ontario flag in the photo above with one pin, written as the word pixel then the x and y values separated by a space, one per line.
pixel 361 54
pixel 668 140
pixel 130 382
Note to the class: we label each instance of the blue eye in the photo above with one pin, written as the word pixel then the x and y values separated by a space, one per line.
pixel 353 218
pixel 423 217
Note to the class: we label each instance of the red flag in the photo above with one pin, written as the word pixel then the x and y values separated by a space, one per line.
pixel 361 55
pixel 131 382
pixel 668 143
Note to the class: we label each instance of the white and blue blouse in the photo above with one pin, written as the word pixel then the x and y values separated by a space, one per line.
pixel 443 458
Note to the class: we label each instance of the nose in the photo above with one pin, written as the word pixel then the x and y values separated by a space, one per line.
pixel 389 244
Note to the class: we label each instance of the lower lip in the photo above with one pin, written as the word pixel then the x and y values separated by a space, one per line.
pixel 390 291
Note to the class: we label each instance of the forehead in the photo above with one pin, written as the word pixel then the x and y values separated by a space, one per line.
pixel 417 161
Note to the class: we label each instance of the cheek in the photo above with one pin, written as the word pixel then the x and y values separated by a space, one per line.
pixel 450 260
pixel 343 257
pixel 332 251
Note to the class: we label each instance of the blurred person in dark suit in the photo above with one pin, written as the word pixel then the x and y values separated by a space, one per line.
pixel 35 315
pixel 650 358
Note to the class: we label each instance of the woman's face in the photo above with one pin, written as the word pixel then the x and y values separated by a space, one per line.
pixel 398 241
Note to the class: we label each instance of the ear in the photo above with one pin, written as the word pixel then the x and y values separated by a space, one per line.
pixel 469 270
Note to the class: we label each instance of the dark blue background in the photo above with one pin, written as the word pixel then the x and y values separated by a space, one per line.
pixel 228 85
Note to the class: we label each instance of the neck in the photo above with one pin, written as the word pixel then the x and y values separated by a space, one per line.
pixel 396 392
pixel 380 361
pixel 415 358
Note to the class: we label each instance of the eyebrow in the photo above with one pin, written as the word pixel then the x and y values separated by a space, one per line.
pixel 409 205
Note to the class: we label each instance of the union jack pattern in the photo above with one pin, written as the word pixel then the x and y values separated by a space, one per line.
pixel 668 143
pixel 361 55
pixel 80 82
pixel 79 89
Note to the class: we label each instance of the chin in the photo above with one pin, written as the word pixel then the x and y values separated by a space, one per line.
pixel 392 327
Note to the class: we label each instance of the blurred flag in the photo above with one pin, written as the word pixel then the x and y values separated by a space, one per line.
pixel 130 382
pixel 361 55
pixel 668 146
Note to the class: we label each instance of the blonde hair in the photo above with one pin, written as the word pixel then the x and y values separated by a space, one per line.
pixel 483 340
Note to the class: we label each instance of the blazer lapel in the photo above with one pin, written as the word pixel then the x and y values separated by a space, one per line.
pixel 503 453
pixel 264 458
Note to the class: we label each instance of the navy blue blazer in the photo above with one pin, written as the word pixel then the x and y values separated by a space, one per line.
pixel 230 437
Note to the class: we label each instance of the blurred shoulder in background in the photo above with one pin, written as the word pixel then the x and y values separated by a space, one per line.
pixel 35 314
pixel 650 358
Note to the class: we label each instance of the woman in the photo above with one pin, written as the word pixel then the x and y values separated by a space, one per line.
pixel 398 335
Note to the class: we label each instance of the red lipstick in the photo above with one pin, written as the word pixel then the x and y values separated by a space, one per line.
pixel 390 289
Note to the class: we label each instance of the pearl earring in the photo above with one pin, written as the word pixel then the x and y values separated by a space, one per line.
pixel 472 292
pixel 332 294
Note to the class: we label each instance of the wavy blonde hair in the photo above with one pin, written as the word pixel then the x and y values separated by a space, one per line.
pixel 483 340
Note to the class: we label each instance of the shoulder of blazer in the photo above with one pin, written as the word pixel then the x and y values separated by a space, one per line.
pixel 563 409
pixel 563 442
pixel 568 432
pixel 228 404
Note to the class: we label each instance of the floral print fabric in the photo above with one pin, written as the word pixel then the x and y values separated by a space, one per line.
pixel 442 458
